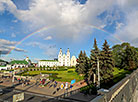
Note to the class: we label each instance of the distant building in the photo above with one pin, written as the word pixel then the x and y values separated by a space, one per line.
pixel 47 63
pixel 28 60
pixel 63 60
pixel 3 68
pixel 19 64
pixel 3 63
pixel 73 61
pixel 35 64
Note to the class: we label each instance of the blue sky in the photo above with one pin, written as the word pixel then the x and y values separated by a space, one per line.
pixel 72 24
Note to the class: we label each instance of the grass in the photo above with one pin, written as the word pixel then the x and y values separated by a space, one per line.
pixel 117 76
pixel 120 74
pixel 63 76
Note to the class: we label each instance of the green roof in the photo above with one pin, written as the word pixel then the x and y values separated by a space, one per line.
pixel 19 62
pixel 49 60
pixel 2 66
pixel 2 60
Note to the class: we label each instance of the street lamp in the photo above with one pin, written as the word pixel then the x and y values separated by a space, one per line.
pixel 98 84
pixel 13 77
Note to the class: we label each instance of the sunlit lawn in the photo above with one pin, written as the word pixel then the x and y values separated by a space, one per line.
pixel 63 76
pixel 120 74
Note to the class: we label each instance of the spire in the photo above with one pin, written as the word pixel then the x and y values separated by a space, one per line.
pixel 68 50
pixel 60 52
pixel 60 49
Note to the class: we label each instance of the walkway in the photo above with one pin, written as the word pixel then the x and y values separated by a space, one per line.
pixel 41 90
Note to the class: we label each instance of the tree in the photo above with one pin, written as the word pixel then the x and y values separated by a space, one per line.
pixel 107 64
pixel 130 58
pixel 117 55
pixel 125 56
pixel 81 67
pixel 93 63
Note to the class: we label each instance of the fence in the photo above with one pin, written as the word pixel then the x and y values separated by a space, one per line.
pixel 122 91
pixel 67 94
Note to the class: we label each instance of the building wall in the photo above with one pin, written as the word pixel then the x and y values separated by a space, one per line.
pixel 3 68
pixel 73 61
pixel 63 60
pixel 47 63
pixel 19 66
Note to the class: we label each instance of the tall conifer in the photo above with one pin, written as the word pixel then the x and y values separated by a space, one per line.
pixel 93 63
pixel 81 66
pixel 107 62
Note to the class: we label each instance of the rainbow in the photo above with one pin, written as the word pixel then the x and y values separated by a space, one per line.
pixel 101 29
pixel 30 35
pixel 46 28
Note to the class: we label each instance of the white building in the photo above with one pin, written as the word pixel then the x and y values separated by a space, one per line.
pixel 63 60
pixel 18 64
pixel 73 61
pixel 3 68
pixel 47 63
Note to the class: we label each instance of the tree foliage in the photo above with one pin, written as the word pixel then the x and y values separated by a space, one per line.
pixel 121 56
pixel 107 62
pixel 125 56
pixel 82 65
pixel 93 62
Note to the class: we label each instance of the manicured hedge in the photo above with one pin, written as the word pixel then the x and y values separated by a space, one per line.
pixel 89 89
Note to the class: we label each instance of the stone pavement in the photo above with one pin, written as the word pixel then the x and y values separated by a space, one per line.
pixel 41 90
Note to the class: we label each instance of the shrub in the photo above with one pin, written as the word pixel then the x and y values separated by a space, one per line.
pixel 62 69
pixel 89 89
pixel 70 71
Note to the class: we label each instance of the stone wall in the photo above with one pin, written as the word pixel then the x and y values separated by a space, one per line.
pixel 123 91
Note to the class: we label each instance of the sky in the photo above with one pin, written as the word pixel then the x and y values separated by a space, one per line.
pixel 39 28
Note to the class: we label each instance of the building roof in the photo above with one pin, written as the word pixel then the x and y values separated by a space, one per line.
pixel 2 66
pixel 19 62
pixel 49 60
pixel 2 60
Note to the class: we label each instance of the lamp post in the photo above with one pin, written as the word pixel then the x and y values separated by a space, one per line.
pixel 98 84
pixel 13 77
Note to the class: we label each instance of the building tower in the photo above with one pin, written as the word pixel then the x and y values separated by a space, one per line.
pixel 68 57
pixel 60 59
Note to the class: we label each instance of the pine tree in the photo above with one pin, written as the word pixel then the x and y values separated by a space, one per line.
pixel 87 66
pixel 93 62
pixel 107 65
pixel 81 66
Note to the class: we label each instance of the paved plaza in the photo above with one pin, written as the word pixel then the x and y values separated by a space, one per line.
pixel 48 90
pixel 35 92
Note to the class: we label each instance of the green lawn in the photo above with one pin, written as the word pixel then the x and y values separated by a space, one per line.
pixel 63 76
pixel 118 75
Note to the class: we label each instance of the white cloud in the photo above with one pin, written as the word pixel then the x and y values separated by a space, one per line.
pixel 119 25
pixel 6 46
pixel 48 38
pixel 15 21
pixel 13 35
pixel 129 31
pixel 7 42
pixel 69 16
pixel 49 50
